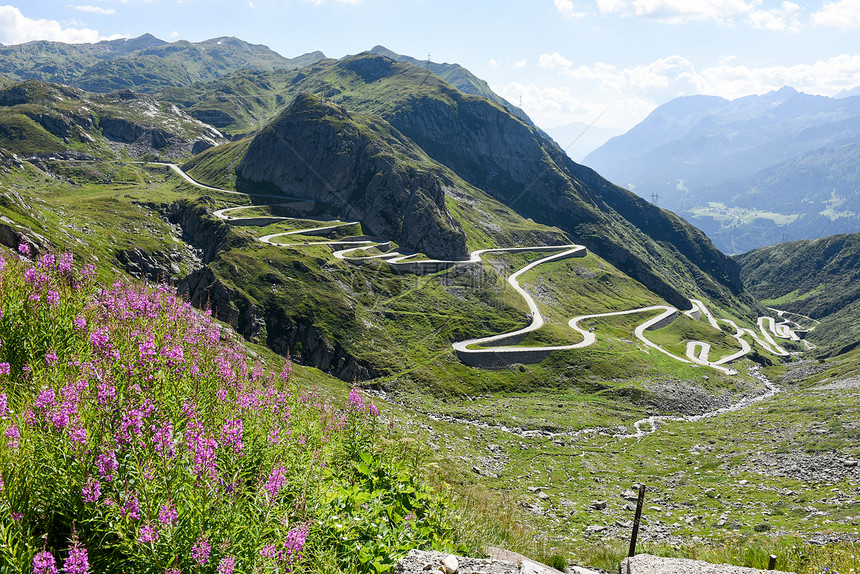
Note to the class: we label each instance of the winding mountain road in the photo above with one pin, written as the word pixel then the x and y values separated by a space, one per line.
pixel 504 348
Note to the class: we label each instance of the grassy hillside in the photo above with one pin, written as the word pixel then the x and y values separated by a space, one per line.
pixel 818 278
pixel 529 172
pixel 43 118
pixel 143 64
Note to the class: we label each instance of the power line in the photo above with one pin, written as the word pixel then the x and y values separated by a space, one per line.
pixel 654 198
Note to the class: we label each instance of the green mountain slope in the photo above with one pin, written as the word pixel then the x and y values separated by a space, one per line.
pixel 143 64
pixel 818 278
pixel 521 167
pixel 40 118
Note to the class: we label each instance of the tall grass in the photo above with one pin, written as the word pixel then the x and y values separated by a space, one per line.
pixel 135 436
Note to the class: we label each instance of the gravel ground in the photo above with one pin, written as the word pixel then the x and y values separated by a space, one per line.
pixel 647 564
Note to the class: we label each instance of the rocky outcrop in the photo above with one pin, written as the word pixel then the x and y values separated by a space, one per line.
pixel 362 168
pixel 271 326
pixel 205 233
pixel 156 267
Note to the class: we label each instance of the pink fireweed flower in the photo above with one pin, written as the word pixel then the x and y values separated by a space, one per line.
pixel 231 435
pixel 13 436
pixel 77 562
pixel 66 263
pixel 200 550
pixel 167 515
pixel 295 542
pixel 53 298
pixel 80 322
pixel 147 534
pixel 268 551
pixel 45 399
pixel 50 357
pixel 162 439
pixel 131 426
pixel 355 400
pixel 131 510
pixel 100 340
pixel 4 409
pixel 44 563
pixel 106 394
pixel 91 491
pixel 46 261
pixel 277 481
pixel 78 435
pixel 107 465
pixel 17 516
pixel 5 368
pixel 174 355
pixel 24 249
pixel 227 564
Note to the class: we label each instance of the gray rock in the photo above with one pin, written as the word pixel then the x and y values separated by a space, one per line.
pixel 647 564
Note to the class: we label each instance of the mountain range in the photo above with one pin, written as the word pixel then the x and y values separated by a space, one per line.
pixel 749 172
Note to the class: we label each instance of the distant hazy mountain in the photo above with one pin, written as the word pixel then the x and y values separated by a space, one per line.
pixel 750 172
pixel 578 139
pixel 143 64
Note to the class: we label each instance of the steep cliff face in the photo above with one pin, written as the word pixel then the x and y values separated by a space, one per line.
pixel 362 168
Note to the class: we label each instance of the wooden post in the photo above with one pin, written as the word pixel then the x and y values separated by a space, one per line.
pixel 639 502
pixel 772 564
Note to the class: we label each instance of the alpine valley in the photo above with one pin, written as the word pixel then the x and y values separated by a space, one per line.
pixel 539 340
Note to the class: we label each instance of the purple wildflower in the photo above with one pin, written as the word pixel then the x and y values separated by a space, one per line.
pixel 277 480
pixel 295 542
pixel 77 562
pixel 5 368
pixel 53 298
pixel 107 464
pixel 227 564
pixel 168 516
pixel 17 516
pixel 45 399
pixel 131 510
pixel 44 563
pixel 50 357
pixel 13 436
pixel 24 249
pixel 162 439
pixel 91 491
pixel 200 550
pixel 268 551
pixel 4 410
pixel 231 435
pixel 147 534
pixel 80 323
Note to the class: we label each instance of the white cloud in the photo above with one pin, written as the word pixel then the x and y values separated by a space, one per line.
pixel 785 18
pixel 495 63
pixel 93 9
pixel 675 11
pixel 840 13
pixel 519 64
pixel 552 106
pixel 554 61
pixel 566 9
pixel 15 28
pixel 630 93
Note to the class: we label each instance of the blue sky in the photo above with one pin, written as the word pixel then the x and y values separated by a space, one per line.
pixel 569 60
